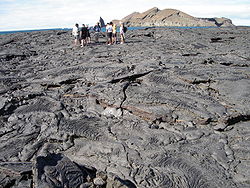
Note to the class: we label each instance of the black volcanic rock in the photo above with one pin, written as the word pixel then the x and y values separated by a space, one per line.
pixel 169 108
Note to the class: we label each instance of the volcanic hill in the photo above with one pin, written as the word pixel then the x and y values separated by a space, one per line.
pixel 172 17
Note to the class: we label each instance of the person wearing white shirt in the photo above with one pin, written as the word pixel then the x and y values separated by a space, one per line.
pixel 75 33
pixel 109 30
pixel 122 33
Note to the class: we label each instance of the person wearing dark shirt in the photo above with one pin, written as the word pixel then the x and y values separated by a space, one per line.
pixel 83 35
pixel 88 35
pixel 97 30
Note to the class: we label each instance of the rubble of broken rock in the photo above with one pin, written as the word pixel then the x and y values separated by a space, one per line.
pixel 169 108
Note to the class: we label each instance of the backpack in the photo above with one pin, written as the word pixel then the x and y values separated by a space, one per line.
pixel 97 28
pixel 125 29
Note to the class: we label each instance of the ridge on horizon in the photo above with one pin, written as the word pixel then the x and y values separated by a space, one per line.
pixel 171 17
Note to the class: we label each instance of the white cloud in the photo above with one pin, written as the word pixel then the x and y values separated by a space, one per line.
pixel 24 14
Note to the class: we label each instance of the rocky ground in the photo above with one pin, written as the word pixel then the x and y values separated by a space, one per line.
pixel 169 108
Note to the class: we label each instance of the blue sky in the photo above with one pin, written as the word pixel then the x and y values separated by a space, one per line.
pixel 40 14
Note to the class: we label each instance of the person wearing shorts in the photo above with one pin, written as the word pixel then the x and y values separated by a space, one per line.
pixel 122 33
pixel 88 35
pixel 114 33
pixel 109 30
pixel 97 30
pixel 75 33
pixel 83 35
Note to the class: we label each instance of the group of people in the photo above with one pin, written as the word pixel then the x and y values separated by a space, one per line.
pixel 82 34
pixel 111 30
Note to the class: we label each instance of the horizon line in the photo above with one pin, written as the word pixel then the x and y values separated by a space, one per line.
pixel 61 28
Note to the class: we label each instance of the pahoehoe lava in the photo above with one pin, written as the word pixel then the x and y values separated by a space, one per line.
pixel 169 108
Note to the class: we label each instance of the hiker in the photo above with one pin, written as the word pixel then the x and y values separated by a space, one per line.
pixel 114 33
pixel 83 35
pixel 97 30
pixel 122 32
pixel 88 35
pixel 75 33
pixel 109 30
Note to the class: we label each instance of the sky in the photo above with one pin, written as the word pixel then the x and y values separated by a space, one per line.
pixel 43 14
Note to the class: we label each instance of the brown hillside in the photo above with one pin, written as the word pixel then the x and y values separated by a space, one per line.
pixel 171 17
